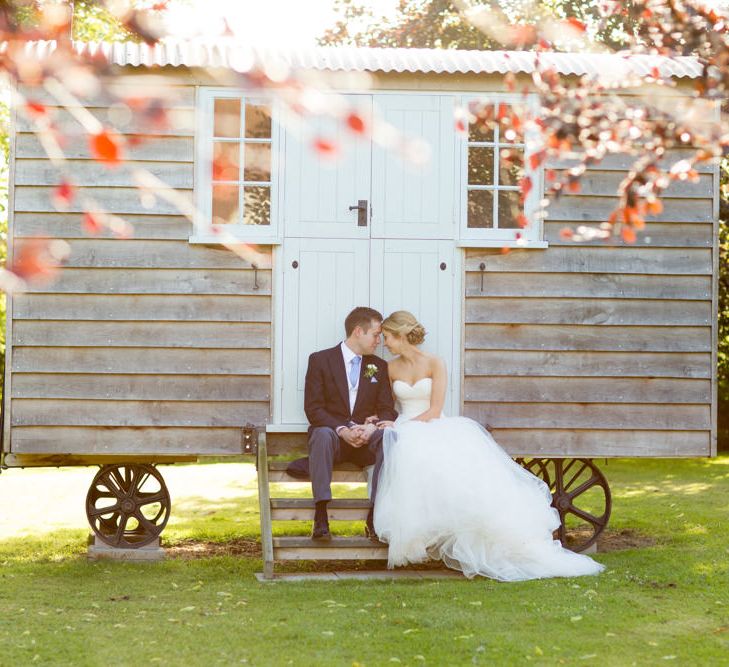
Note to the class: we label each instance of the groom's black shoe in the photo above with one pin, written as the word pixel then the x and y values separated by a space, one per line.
pixel 321 523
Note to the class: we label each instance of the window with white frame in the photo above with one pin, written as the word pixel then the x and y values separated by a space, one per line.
pixel 494 164
pixel 236 163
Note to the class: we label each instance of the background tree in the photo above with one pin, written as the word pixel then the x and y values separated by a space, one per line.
pixel 440 24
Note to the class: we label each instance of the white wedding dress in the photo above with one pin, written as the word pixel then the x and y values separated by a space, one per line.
pixel 448 491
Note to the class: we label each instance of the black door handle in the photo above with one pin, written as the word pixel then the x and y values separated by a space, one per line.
pixel 361 209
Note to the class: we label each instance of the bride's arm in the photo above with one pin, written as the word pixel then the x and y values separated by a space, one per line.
pixel 437 391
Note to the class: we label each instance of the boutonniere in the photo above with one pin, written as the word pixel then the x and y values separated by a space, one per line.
pixel 370 372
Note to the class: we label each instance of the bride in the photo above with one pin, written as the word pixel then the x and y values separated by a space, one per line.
pixel 448 491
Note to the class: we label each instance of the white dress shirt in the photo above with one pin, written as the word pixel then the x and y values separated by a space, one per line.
pixel 348 356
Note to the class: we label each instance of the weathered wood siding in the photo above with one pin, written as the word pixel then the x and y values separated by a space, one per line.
pixel 595 348
pixel 147 345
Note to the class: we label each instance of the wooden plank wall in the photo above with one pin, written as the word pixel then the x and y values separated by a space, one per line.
pixel 145 345
pixel 595 348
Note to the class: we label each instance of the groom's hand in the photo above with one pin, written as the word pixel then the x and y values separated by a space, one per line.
pixel 352 435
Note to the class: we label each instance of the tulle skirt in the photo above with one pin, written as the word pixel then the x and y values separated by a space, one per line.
pixel 448 491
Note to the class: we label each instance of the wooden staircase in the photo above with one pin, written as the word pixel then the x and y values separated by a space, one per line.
pixel 290 444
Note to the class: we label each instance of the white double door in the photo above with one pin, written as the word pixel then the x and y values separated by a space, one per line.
pixel 396 252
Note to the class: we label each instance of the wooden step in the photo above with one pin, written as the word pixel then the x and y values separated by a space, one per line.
pixel 302 509
pixel 338 548
pixel 343 472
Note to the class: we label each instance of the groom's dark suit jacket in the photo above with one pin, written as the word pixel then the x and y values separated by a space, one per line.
pixel 326 392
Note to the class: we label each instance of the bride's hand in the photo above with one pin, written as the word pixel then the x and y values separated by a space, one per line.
pixel 386 424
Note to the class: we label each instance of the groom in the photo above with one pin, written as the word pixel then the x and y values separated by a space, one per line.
pixel 347 389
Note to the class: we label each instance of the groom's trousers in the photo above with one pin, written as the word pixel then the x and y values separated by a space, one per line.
pixel 326 449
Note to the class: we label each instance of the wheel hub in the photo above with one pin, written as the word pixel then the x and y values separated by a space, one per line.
pixel 128 506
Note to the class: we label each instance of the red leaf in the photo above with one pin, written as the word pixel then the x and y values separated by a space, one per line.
pixel 535 159
pixel 566 233
pixel 550 174
pixel 576 24
pixel 63 195
pixel 91 224
pixel 324 147
pixel 522 221
pixel 460 126
pixel 105 148
pixel 654 207
pixel 525 186
pixel 356 123
pixel 37 259
pixel 503 111
pixel 628 234
pixel 573 186
pixel 35 108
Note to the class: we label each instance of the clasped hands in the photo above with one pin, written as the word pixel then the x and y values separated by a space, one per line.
pixel 358 435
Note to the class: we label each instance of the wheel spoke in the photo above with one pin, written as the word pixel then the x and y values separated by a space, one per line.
pixel 583 487
pixel 99 511
pixel 558 477
pixel 149 498
pixel 142 480
pixel 121 484
pixel 123 518
pixel 150 527
pixel 586 516
pixel 112 484
pixel 575 476
pixel 562 530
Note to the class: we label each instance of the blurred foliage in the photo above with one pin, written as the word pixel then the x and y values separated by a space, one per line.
pixel 723 359
pixel 439 24
pixel 93 23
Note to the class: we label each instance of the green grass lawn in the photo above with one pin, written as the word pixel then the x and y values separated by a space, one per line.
pixel 667 603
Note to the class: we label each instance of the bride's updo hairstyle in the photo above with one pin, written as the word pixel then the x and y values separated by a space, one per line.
pixel 403 324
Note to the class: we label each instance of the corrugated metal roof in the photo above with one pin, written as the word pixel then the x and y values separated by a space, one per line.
pixel 236 56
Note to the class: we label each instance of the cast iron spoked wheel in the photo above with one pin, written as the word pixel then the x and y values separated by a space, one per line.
pixel 581 495
pixel 128 505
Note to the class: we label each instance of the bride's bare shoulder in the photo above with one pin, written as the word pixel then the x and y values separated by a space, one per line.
pixel 435 362
pixel 393 365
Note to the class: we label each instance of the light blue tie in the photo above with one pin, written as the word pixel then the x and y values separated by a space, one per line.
pixel 354 371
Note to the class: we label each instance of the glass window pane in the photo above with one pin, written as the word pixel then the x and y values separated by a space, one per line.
pixel 227 118
pixel 511 170
pixel 225 204
pixel 480 129
pixel 257 162
pixel 257 205
pixel 480 166
pixel 480 209
pixel 258 121
pixel 509 209
pixel 226 156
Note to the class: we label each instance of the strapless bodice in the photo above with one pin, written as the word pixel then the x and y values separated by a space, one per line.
pixel 412 399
